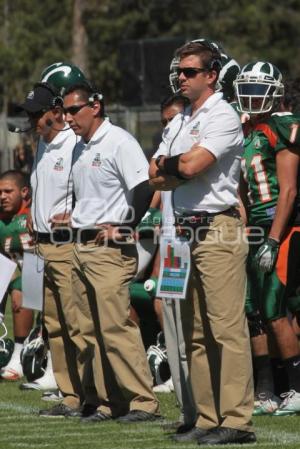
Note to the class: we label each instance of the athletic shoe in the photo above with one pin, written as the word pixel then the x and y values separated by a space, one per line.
pixel 13 370
pixel 290 404
pixel 46 382
pixel 137 416
pixel 166 387
pixel 267 404
pixel 52 396
pixel 57 411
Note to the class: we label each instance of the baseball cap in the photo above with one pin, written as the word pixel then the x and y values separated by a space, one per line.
pixel 39 99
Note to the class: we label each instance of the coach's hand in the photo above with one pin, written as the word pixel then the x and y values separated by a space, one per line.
pixel 266 255
pixel 108 232
pixel 60 221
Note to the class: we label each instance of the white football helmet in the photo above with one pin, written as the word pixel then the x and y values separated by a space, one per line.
pixel 257 87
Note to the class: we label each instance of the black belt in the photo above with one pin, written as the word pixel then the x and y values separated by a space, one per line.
pixel 204 218
pixel 86 235
pixel 57 236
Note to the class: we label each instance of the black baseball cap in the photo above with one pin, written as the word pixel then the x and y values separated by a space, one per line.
pixel 38 100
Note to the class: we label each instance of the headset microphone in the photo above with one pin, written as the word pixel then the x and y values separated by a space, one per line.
pixel 15 129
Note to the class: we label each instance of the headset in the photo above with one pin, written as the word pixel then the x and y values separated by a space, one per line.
pixel 57 98
pixel 95 95
pixel 92 91
pixel 215 62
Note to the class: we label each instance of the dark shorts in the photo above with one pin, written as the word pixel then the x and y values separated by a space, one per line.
pixel 274 293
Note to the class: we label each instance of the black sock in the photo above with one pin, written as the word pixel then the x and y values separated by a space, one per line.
pixel 292 366
pixel 281 381
pixel 263 373
pixel 20 340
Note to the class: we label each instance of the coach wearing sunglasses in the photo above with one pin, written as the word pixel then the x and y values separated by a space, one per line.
pixel 199 158
pixel 111 187
pixel 51 206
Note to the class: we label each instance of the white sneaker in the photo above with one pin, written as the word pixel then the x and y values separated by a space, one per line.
pixel 13 370
pixel 46 382
pixel 53 396
pixel 290 404
pixel 166 387
pixel 266 404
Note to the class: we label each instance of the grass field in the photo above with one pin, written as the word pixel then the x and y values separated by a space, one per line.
pixel 20 427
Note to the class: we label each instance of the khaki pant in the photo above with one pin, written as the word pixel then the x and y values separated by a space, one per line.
pixel 61 322
pixel 116 355
pixel 215 327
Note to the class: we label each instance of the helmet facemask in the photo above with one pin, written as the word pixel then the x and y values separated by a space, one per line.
pixel 257 94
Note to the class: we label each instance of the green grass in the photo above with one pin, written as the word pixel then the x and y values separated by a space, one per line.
pixel 21 427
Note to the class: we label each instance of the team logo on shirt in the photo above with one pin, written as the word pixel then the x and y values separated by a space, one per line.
pixel 22 222
pixel 195 130
pixel 257 143
pixel 96 161
pixel 59 164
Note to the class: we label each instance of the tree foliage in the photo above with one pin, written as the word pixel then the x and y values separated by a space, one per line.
pixel 35 34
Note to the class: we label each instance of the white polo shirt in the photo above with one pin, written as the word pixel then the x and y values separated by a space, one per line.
pixel 51 181
pixel 216 127
pixel 106 170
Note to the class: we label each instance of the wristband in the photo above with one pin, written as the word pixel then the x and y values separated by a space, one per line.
pixel 157 161
pixel 171 166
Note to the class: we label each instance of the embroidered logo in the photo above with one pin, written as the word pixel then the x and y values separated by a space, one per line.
pixel 30 95
pixel 59 165
pixel 195 130
pixel 257 143
pixel 96 161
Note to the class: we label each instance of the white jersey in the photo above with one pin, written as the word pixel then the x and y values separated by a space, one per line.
pixel 51 181
pixel 216 127
pixel 106 170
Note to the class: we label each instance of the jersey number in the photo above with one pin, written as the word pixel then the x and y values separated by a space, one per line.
pixel 261 179
pixel 294 131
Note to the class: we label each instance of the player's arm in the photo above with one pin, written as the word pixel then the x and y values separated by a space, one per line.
pixel 287 164
pixel 243 198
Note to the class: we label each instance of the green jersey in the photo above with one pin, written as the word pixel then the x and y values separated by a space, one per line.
pixel 14 236
pixel 259 164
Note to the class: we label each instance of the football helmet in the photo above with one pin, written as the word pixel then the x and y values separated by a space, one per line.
pixel 228 73
pixel 158 361
pixel 257 87
pixel 6 347
pixel 34 354
pixel 61 75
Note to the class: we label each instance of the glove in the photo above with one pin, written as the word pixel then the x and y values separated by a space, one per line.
pixel 266 255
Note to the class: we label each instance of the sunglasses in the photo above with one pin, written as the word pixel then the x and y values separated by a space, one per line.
pixel 190 72
pixel 73 110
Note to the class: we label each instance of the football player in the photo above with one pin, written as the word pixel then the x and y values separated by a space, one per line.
pixel 270 180
pixel 15 239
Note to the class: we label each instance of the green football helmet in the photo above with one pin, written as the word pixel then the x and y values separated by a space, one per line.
pixel 62 75
pixel 6 347
pixel 258 86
